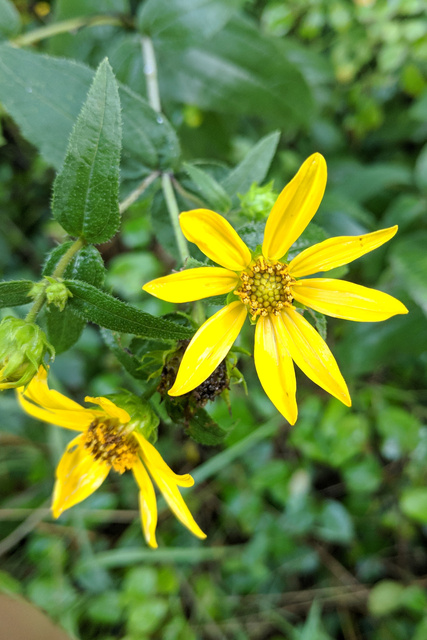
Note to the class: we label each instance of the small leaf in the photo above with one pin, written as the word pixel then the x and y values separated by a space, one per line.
pixel 385 597
pixel 10 20
pixel 96 306
pixel 208 188
pixel 204 430
pixel 85 193
pixel 414 504
pixel 86 265
pixel 15 292
pixel 253 168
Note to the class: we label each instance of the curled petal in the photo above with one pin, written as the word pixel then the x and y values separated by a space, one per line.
pixel 275 368
pixel 311 354
pixel 153 459
pixel 208 347
pixel 215 236
pixel 193 284
pixel 78 475
pixel 147 503
pixel 110 408
pixel 335 252
pixel 295 207
pixel 38 391
pixel 342 299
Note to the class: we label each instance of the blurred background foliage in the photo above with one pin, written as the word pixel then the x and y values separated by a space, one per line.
pixel 314 532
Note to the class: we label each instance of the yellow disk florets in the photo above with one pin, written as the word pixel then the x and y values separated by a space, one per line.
pixel 110 441
pixel 266 287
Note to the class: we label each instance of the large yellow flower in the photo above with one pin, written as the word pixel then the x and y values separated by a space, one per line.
pixel 265 285
pixel 108 439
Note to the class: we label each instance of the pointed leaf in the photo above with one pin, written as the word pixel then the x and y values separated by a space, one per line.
pixel 208 188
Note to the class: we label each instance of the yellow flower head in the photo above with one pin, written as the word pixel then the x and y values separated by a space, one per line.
pixel 266 288
pixel 108 439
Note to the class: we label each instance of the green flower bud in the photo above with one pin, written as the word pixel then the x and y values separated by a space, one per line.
pixel 258 201
pixel 23 346
pixel 142 417
pixel 56 292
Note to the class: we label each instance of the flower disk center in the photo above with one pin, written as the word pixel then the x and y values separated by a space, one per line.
pixel 109 441
pixel 266 288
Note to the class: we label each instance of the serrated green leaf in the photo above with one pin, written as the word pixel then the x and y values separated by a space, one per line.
pixel 44 96
pixel 86 265
pixel 204 430
pixel 85 193
pixel 208 188
pixel 254 166
pixel 10 20
pixel 180 22
pixel 96 306
pixel 15 292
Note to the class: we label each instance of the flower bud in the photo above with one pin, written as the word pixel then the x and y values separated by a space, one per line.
pixel 258 201
pixel 23 346
pixel 56 292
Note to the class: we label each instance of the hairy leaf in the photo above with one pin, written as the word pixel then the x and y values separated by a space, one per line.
pixel 15 293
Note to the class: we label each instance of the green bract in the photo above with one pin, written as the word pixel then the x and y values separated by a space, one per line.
pixel 23 346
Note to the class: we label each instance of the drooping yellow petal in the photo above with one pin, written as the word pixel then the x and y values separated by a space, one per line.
pixel 38 391
pixel 110 408
pixel 311 354
pixel 275 368
pixel 76 420
pixel 295 207
pixel 152 458
pixel 215 236
pixel 335 252
pixel 193 284
pixel 147 503
pixel 342 299
pixel 78 475
pixel 209 347
pixel 175 500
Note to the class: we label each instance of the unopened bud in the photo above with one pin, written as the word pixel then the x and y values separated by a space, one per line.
pixel 23 346
pixel 258 201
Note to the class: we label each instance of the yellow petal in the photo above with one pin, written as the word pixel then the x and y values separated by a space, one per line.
pixel 110 408
pixel 312 354
pixel 215 236
pixel 295 207
pixel 342 299
pixel 38 391
pixel 147 503
pixel 152 458
pixel 78 475
pixel 176 501
pixel 275 368
pixel 338 251
pixel 209 347
pixel 76 420
pixel 193 284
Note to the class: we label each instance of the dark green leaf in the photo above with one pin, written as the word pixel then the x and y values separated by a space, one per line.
pixel 10 21
pixel 64 328
pixel 44 96
pixel 409 259
pixel 85 194
pixel 204 430
pixel 96 306
pixel 254 167
pixel 209 189
pixel 127 359
pixel 15 293
pixel 86 265
pixel 183 21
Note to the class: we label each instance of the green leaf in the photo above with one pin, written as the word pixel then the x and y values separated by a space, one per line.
pixel 414 504
pixel 85 193
pixel 15 292
pixel 228 74
pixel 208 188
pixel 127 359
pixel 254 167
pixel 180 22
pixel 44 96
pixel 63 328
pixel 204 430
pixel 96 306
pixel 334 523
pixel 409 259
pixel 385 597
pixel 10 20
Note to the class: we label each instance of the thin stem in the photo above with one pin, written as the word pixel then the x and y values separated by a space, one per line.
pixel 59 270
pixel 173 209
pixel 150 71
pixel 132 197
pixel 63 27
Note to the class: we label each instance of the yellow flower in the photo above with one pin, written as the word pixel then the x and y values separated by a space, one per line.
pixel 108 439
pixel 266 286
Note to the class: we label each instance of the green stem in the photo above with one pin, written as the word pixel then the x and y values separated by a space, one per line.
pixel 132 197
pixel 63 27
pixel 59 270
pixel 150 71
